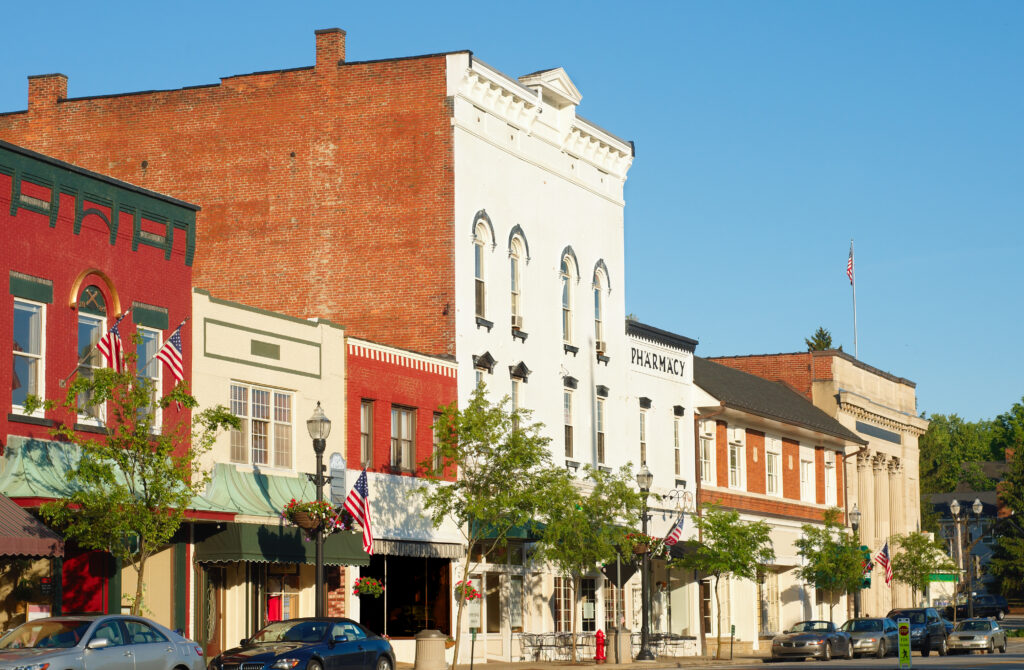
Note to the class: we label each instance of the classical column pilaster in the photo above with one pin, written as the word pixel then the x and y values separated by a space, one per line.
pixel 866 506
pixel 881 477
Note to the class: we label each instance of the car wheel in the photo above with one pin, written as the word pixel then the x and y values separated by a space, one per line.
pixel 826 655
pixel 943 647
pixel 314 665
pixel 991 646
pixel 881 649
pixel 1002 647
pixel 383 663
pixel 849 650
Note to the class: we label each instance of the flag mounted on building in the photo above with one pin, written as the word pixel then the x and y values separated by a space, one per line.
pixel 111 347
pixel 882 559
pixel 676 533
pixel 358 505
pixel 170 354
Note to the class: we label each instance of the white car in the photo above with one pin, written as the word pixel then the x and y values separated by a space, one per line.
pixel 980 634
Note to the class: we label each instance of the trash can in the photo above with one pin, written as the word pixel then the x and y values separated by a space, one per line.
pixel 622 646
pixel 430 650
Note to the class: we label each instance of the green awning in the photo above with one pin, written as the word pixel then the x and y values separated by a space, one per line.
pixel 32 468
pixel 251 493
pixel 529 531
pixel 260 543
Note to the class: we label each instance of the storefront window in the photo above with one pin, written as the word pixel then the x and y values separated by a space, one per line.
pixel 588 591
pixel 282 593
pixel 515 603
pixel 492 593
pixel 417 595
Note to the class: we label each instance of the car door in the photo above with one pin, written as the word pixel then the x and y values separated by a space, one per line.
pixel 350 654
pixel 150 648
pixel 116 655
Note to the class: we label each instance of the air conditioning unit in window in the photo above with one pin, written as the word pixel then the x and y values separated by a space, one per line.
pixel 517 322
pixel 601 346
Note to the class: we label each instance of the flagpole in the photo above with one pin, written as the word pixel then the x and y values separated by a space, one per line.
pixel 853 282
pixel 153 357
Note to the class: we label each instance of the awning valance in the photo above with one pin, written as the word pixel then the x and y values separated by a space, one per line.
pixel 21 534
pixel 261 543
pixel 418 549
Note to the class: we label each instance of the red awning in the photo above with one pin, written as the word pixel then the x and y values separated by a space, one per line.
pixel 21 534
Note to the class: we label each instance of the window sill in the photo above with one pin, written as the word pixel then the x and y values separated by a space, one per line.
pixel 601 358
pixel 89 428
pixel 30 418
pixel 481 322
pixel 604 468
pixel 519 334
pixel 570 349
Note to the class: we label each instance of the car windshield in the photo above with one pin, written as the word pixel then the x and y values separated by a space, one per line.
pixel 62 634
pixel 863 626
pixel 811 627
pixel 915 617
pixel 974 625
pixel 292 631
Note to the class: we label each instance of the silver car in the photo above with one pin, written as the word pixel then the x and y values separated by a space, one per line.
pixel 980 634
pixel 876 636
pixel 107 642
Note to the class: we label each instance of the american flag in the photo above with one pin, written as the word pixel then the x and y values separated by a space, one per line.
pixel 882 559
pixel 849 265
pixel 676 532
pixel 358 505
pixel 170 354
pixel 110 346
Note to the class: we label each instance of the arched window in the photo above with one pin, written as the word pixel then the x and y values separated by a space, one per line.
pixel 515 260
pixel 599 282
pixel 566 276
pixel 92 318
pixel 479 242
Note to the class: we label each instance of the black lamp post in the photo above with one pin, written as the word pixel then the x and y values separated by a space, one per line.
pixel 855 523
pixel 976 508
pixel 954 510
pixel 643 480
pixel 319 427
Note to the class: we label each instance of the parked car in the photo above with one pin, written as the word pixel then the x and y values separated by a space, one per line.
pixel 985 605
pixel 982 634
pixel 948 624
pixel 812 639
pixel 927 632
pixel 312 644
pixel 116 642
pixel 875 636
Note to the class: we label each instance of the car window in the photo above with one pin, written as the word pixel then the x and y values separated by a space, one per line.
pixel 110 630
pixel 863 626
pixel 47 634
pixel 349 630
pixel 140 632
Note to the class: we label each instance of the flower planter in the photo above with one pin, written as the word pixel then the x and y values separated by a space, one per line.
pixel 305 521
pixel 448 644
pixel 640 549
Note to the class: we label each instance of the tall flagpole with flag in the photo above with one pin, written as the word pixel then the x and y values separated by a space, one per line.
pixel 853 282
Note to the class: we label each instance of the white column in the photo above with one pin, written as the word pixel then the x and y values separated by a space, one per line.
pixel 881 477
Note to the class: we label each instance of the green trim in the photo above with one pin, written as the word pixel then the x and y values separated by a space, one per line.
pixel 260 543
pixel 114 588
pixel 265 349
pixel 150 316
pixel 180 559
pixel 265 312
pixel 31 288
pixel 245 329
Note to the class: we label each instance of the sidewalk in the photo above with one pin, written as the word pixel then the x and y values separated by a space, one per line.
pixel 663 662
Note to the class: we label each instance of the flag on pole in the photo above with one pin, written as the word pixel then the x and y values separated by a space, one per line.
pixel 170 354
pixel 882 559
pixel 849 264
pixel 676 533
pixel 111 347
pixel 358 505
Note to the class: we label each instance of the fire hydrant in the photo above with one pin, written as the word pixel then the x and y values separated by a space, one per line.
pixel 599 647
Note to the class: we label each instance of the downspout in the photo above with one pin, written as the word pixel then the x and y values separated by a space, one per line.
pixel 696 455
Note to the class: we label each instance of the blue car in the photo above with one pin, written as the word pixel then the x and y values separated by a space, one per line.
pixel 310 644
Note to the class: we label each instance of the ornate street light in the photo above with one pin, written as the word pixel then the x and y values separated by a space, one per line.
pixel 954 510
pixel 976 508
pixel 855 523
pixel 644 478
pixel 319 427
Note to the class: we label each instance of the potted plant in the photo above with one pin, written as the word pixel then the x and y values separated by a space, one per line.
pixel 467 587
pixel 449 642
pixel 639 543
pixel 312 516
pixel 367 586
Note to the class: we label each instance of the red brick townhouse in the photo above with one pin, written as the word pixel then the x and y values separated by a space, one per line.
pixel 80 249
pixel 769 453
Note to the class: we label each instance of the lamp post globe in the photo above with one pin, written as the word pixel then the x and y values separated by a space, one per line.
pixel 644 479
pixel 319 427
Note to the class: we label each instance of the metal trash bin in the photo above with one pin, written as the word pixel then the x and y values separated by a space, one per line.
pixel 621 650
pixel 430 650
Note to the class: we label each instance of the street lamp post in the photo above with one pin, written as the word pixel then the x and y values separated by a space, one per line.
pixel 319 427
pixel 954 510
pixel 855 523
pixel 976 508
pixel 643 480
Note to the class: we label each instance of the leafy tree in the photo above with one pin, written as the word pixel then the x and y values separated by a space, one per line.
pixel 1007 563
pixel 728 547
pixel 832 558
pixel 950 452
pixel 505 476
pixel 136 482
pixel 820 341
pixel 587 524
pixel 915 560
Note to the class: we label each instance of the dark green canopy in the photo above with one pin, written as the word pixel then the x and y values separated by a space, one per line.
pixel 278 544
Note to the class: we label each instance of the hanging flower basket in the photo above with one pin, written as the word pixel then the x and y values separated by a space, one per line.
pixel 641 544
pixel 449 642
pixel 468 588
pixel 312 516
pixel 640 548
pixel 367 586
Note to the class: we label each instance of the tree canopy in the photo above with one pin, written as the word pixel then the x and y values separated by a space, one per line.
pixel 1007 563
pixel 915 559
pixel 832 557
pixel 821 340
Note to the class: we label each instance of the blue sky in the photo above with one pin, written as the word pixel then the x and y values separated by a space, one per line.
pixel 768 134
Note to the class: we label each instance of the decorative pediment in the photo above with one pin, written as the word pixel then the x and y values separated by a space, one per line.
pixel 519 371
pixel 555 87
pixel 484 362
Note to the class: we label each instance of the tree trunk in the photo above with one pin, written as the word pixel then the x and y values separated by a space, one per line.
pixel 831 605
pixel 462 606
pixel 572 614
pixel 140 573
pixel 718 620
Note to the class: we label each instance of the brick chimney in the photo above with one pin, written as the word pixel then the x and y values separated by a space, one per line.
pixel 330 48
pixel 44 90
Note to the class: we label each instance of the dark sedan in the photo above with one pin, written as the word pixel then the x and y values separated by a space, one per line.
pixel 812 639
pixel 985 605
pixel 310 644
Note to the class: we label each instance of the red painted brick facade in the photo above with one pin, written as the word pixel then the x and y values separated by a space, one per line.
pixel 790 469
pixel 287 166
pixel 755 462
pixel 798 370
pixel 738 501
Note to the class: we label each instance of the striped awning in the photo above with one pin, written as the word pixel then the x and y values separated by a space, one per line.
pixel 418 549
pixel 21 534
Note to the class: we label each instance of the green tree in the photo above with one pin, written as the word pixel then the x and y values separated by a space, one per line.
pixel 505 477
pixel 915 559
pixel 587 525
pixel 136 482
pixel 1007 563
pixel 820 341
pixel 832 558
pixel 728 547
pixel 950 451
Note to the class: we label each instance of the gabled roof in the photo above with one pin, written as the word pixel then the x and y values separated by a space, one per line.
pixel 772 400
pixel 555 86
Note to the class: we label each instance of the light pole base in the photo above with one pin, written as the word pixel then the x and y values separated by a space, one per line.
pixel 645 655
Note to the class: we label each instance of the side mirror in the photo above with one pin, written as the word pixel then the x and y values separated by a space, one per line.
pixel 243 641
pixel 339 638
pixel 98 643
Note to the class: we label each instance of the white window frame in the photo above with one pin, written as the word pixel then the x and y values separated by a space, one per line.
pixel 737 454
pixel 158 380
pixel 773 456
pixel 567 420
pixel 84 417
pixel 403 446
pixel 480 271
pixel 40 358
pixel 707 452
pixel 436 444
pixel 598 307
pixel 643 436
pixel 366 432
pixel 807 480
pixel 830 478
pixel 272 423
pixel 677 444
pixel 565 278
pixel 515 257
pixel 599 428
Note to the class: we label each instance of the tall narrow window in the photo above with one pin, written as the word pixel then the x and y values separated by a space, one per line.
pixel 437 442
pixel 599 313
pixel 599 410
pixel 588 603
pixel 736 458
pixel 563 605
pixel 28 351
pixel 707 451
pixel 478 269
pixel 612 605
pixel 514 260
pixel 265 434
pixel 643 437
pixel 676 444
pixel 366 433
pixel 282 447
pixel 773 466
pixel 807 481
pixel 240 435
pixel 148 367
pixel 567 418
pixel 402 441
pixel 565 274
pixel 92 312
pixel 830 478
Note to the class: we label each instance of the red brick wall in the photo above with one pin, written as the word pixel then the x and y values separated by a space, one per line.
pixel 790 469
pixel 755 462
pixel 819 475
pixel 840 489
pixel 773 507
pixel 337 594
pixel 289 166
pixel 722 452
pixel 798 370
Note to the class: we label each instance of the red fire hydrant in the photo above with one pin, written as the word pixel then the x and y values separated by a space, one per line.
pixel 599 647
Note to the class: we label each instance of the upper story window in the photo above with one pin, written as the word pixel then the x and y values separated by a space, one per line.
pixel 643 436
pixel 403 440
pixel 148 367
pixel 515 260
pixel 92 318
pixel 479 243
pixel 599 421
pixel 437 441
pixel 807 480
pixel 707 452
pixel 567 419
pixel 830 478
pixel 676 444
pixel 264 436
pixel 566 277
pixel 737 471
pixel 773 466
pixel 599 312
pixel 366 433
pixel 28 351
